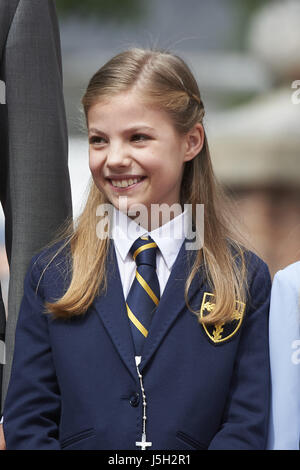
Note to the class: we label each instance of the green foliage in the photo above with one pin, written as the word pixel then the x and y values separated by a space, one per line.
pixel 245 10
pixel 118 10
pixel 249 6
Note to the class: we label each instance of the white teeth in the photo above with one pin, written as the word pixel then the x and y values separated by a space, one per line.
pixel 125 183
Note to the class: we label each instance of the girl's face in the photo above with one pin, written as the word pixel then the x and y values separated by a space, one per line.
pixel 135 151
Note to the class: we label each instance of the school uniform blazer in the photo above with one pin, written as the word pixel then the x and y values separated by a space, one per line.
pixel 34 180
pixel 284 432
pixel 74 383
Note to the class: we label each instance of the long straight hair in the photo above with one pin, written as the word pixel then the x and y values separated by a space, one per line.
pixel 163 80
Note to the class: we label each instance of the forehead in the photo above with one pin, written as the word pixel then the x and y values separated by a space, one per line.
pixel 126 107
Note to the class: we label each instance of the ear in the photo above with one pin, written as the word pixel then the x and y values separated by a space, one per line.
pixel 194 142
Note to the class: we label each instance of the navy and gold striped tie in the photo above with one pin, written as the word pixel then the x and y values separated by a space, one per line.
pixel 144 294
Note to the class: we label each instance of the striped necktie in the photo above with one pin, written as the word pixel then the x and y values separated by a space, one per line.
pixel 144 294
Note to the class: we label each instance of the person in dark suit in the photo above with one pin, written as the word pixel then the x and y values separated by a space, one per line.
pixel 135 337
pixel 34 178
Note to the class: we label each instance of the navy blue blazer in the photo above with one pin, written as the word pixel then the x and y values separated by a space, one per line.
pixel 74 382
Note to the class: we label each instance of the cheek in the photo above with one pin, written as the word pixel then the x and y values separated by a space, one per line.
pixel 163 168
pixel 153 164
pixel 94 162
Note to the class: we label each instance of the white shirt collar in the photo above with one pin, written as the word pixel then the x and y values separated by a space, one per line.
pixel 169 237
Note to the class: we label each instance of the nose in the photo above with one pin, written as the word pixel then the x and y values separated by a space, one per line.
pixel 117 155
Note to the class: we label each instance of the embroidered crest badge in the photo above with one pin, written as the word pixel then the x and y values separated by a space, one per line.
pixel 221 332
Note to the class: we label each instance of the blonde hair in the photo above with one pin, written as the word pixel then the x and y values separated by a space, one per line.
pixel 163 79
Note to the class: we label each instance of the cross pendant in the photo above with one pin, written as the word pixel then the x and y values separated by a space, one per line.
pixel 143 444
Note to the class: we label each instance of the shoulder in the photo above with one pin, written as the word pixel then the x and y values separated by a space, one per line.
pixel 288 277
pixel 52 256
pixel 286 288
pixel 49 269
pixel 256 276
pixel 285 306
pixel 256 266
pixel 257 270
pixel 258 281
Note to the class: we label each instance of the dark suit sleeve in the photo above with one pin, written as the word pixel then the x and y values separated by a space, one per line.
pixel 32 405
pixel 2 338
pixel 38 196
pixel 245 420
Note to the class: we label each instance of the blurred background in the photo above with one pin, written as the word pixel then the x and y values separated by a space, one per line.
pixel 245 55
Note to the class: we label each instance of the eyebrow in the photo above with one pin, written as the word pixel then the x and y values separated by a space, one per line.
pixel 129 129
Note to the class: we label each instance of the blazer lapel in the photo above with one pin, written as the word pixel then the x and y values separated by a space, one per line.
pixel 111 309
pixel 172 302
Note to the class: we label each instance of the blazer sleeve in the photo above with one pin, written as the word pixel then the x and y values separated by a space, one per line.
pixel 284 430
pixel 32 405
pixel 245 420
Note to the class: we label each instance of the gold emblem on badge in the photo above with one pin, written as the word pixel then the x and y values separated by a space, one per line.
pixel 220 332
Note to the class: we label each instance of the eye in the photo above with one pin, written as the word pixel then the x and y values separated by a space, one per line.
pixel 139 137
pixel 96 140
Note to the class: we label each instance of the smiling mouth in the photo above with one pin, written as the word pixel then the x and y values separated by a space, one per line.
pixel 126 183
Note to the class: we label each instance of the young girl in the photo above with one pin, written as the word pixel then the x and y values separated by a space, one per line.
pixel 147 342
pixel 285 359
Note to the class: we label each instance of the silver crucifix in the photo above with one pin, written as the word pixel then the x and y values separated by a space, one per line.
pixel 143 444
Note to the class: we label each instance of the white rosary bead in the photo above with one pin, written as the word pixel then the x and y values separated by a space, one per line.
pixel 144 444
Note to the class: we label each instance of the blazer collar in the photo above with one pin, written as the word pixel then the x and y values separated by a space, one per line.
pixel 172 302
pixel 111 308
